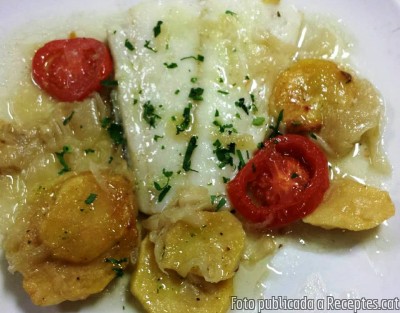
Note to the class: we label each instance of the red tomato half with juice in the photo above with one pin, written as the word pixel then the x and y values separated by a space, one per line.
pixel 71 69
pixel 283 182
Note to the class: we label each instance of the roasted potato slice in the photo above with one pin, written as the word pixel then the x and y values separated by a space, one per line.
pixel 160 291
pixel 87 218
pixel 209 244
pixel 56 269
pixel 353 206
pixel 317 96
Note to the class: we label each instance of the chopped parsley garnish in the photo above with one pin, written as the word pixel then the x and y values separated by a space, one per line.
pixel 220 201
pixel 199 58
pixel 196 94
pixel 278 14
pixel 147 46
pixel 105 122
pixel 90 199
pixel 117 265
pixel 149 114
pixel 177 91
pixel 156 137
pixel 68 118
pixel 258 121
pixel 242 163
pixel 129 45
pixel 240 104
pixel 223 92
pixel 186 120
pixel 163 189
pixel 275 129
pixel 223 127
pixel 61 159
pixel 230 12
pixel 188 154
pixel 157 29
pixel 110 159
pixel 193 80
pixel 225 179
pixel 116 133
pixel 253 103
pixel 216 113
pixel 294 175
pixel 224 155
pixel 170 65
pixel 109 83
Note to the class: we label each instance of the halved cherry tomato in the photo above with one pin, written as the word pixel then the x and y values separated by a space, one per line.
pixel 283 182
pixel 71 69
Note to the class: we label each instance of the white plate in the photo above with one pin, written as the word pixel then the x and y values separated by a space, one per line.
pixel 363 265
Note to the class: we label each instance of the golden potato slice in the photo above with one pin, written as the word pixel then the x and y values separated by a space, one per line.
pixel 50 279
pixel 210 245
pixel 168 292
pixel 55 281
pixel 304 89
pixel 87 218
pixel 317 96
pixel 353 206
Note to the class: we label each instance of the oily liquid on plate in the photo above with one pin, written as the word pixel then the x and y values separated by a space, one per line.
pixel 28 107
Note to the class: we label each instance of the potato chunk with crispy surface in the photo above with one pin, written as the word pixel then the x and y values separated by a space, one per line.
pixel 57 268
pixel 209 245
pixel 317 96
pixel 167 292
pixel 353 206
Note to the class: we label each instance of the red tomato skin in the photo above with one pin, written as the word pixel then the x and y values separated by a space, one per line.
pixel 71 69
pixel 289 210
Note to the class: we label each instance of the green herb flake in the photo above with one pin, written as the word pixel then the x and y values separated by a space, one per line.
pixel 110 159
pixel 224 127
pixel 199 58
pixel 177 91
pixel 187 163
pixel 225 179
pixel 156 137
pixel 186 120
pixel 147 46
pixel 258 121
pixel 240 104
pixel 170 65
pixel 90 199
pixel 157 29
pixel 116 133
pixel 275 129
pixel 193 80
pixel 109 83
pixel 216 113
pixel 105 122
pixel 149 114
pixel 61 159
pixel 230 13
pixel 219 201
pixel 68 118
pixel 129 45
pixel 117 265
pixel 242 163
pixel 163 189
pixel 224 154
pixel 223 92
pixel 196 94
